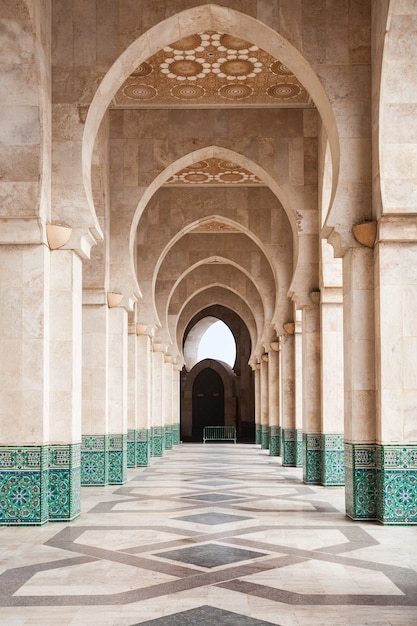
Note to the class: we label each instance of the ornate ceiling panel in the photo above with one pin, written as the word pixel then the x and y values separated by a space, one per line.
pixel 214 171
pixel 211 69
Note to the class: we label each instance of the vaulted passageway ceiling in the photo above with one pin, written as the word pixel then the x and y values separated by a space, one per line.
pixel 250 254
pixel 211 69
pixel 212 227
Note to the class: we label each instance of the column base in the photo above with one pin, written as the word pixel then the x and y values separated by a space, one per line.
pixel 143 451
pixel 168 437
pixel 117 459
pixel 40 484
pixel 312 458
pixel 396 482
pixel 24 485
pixel 158 440
pixel 176 434
pixel 332 460
pixel 94 460
pixel 360 481
pixel 274 441
pixel 258 434
pixel 265 437
pixel 64 487
pixel 292 447
pixel 131 448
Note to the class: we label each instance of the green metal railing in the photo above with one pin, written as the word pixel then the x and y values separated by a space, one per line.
pixel 219 433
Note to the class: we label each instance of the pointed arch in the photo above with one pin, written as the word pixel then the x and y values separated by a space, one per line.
pixel 187 23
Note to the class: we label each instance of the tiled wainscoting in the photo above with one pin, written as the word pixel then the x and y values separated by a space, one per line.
pixel 381 483
pixel 39 483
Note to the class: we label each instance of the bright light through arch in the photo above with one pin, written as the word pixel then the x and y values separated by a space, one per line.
pixel 218 343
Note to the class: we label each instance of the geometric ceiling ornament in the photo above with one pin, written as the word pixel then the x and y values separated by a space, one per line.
pixel 215 226
pixel 211 69
pixel 214 171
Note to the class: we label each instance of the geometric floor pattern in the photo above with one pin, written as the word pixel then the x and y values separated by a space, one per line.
pixel 210 534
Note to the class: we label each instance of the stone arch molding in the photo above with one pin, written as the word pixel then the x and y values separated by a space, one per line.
pixel 189 228
pixel 195 157
pixel 210 296
pixel 184 24
pixel 222 369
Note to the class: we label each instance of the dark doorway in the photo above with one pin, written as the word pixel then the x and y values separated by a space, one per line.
pixel 208 402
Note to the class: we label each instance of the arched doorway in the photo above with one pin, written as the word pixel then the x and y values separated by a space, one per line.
pixel 208 402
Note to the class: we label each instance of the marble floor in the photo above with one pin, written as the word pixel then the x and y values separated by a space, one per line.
pixel 210 535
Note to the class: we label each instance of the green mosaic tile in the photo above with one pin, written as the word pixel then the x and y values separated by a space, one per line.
pixel 157 441
pixel 117 459
pixel 143 453
pixel 312 458
pixel 64 492
pixel 94 468
pixel 290 447
pixel 396 477
pixel 333 460
pixel 360 481
pixel 24 485
pixel 176 429
pixel 168 437
pixel 131 448
pixel 258 434
pixel 274 441
pixel 265 437
pixel 299 448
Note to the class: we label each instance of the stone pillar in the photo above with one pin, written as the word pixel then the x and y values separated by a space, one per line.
pixel 24 383
pixel 65 359
pixel 258 424
pixel 396 374
pixel 167 386
pixel 274 379
pixel 144 395
pixel 176 400
pixel 293 395
pixel 359 378
pixel 264 403
pixel 311 394
pixel 332 397
pixel 94 453
pixel 117 409
pixel 287 359
pixel 157 437
pixel 132 407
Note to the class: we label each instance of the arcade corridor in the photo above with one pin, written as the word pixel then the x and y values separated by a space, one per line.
pixel 214 534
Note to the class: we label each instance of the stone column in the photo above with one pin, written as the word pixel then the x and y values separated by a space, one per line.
pixel 167 385
pixel 144 394
pixel 176 401
pixel 158 437
pixel 264 403
pixel 132 405
pixel 117 409
pixel 24 383
pixel 332 397
pixel 258 424
pixel 396 374
pixel 65 359
pixel 293 412
pixel 274 380
pixel 311 394
pixel 94 454
pixel 288 426
pixel 359 378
